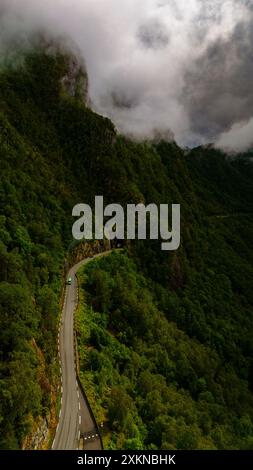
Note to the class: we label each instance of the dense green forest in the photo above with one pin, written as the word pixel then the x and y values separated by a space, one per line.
pixel 168 336
pixel 164 370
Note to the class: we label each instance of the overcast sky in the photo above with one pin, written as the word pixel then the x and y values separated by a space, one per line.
pixel 180 67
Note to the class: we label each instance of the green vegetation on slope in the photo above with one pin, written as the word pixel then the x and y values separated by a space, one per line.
pixel 152 384
pixel 184 319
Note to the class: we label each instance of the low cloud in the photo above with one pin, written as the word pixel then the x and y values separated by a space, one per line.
pixel 238 138
pixel 156 67
pixel 153 35
pixel 218 88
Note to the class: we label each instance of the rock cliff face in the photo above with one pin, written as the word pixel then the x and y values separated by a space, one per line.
pixel 75 82
pixel 86 250
pixel 37 440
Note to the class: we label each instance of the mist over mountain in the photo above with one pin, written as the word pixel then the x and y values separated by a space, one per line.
pixel 165 338
pixel 182 69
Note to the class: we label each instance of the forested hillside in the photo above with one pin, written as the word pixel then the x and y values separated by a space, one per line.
pixel 166 335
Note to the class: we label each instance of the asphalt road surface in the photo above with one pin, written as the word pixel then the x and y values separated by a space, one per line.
pixel 75 419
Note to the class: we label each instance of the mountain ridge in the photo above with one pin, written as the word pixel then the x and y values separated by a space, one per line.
pixel 56 152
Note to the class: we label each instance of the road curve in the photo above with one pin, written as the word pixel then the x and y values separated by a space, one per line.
pixel 75 418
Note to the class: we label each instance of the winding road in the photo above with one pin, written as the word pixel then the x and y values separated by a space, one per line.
pixel 75 418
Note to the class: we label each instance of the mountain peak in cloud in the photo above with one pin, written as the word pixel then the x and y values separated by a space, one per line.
pixel 183 66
